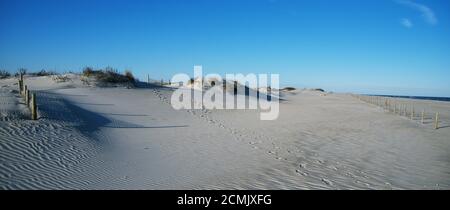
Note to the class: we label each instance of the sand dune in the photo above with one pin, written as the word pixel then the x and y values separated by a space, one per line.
pixel 118 138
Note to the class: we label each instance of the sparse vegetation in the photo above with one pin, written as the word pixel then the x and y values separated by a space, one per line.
pixel 43 72
pixel 21 71
pixel 289 89
pixel 88 71
pixel 109 75
pixel 318 89
pixel 129 75
pixel 4 74
pixel 60 78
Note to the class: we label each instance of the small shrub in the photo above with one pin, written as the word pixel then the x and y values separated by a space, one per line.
pixel 60 78
pixel 88 71
pixel 129 75
pixel 289 88
pixel 4 74
pixel 318 89
pixel 85 80
pixel 43 72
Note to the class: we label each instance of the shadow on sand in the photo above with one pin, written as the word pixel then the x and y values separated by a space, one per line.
pixel 125 115
pixel 55 108
pixel 93 104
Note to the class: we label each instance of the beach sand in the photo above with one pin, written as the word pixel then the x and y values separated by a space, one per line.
pixel 119 138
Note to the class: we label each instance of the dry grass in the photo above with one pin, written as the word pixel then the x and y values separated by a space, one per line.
pixel 43 72
pixel 4 74
pixel 109 75
pixel 60 78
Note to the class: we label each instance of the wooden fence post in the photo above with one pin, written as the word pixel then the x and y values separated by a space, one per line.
pixel 436 122
pixel 25 88
pixel 423 115
pixel 389 106
pixel 33 107
pixel 21 87
pixel 412 113
pixel 21 84
pixel 27 97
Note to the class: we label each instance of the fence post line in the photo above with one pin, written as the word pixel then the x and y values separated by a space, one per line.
pixel 33 107
pixel 436 122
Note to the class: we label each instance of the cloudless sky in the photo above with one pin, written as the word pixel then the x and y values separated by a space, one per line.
pixel 365 46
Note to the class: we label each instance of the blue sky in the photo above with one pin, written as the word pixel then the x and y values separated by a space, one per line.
pixel 363 46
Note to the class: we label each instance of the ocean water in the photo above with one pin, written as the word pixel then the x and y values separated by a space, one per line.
pixel 418 97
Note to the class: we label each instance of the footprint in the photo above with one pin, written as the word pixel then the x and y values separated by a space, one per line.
pixel 301 172
pixel 334 168
pixel 327 182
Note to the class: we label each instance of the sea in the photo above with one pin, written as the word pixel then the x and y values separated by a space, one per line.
pixel 418 97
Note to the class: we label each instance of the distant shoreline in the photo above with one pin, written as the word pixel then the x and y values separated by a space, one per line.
pixel 415 97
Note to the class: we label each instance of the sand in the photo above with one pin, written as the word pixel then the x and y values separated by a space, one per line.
pixel 119 138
